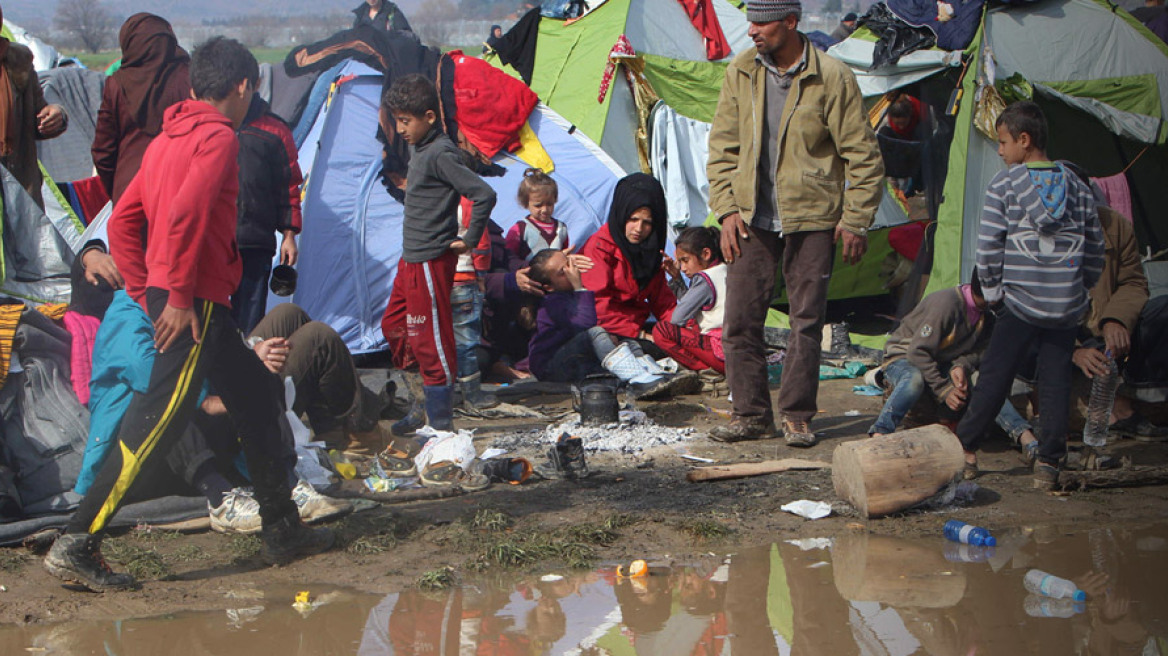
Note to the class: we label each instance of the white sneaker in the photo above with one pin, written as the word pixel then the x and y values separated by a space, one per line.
pixel 239 513
pixel 314 506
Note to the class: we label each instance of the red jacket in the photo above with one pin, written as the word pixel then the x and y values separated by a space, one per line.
pixel 621 308
pixel 174 227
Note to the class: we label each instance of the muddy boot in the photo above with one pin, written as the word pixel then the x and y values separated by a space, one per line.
pixel 473 394
pixel 440 406
pixel 565 460
pixel 289 539
pixel 416 416
pixel 76 558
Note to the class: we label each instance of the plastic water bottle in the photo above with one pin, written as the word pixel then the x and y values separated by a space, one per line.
pixel 965 553
pixel 968 534
pixel 1048 585
pixel 1039 606
pixel 1099 406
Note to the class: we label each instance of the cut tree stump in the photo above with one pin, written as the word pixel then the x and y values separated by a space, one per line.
pixel 744 469
pixel 895 571
pixel 883 475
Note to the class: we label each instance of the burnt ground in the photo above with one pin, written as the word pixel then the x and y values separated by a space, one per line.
pixel 632 507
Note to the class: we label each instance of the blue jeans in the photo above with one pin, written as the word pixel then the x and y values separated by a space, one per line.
pixel 908 384
pixel 249 304
pixel 466 304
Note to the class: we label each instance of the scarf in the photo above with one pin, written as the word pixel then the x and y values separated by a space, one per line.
pixel 7 114
pixel 150 57
pixel 632 193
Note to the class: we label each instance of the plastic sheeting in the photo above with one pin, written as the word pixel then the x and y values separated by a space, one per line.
pixel 351 242
pixel 38 247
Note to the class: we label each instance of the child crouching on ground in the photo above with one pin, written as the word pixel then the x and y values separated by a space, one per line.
pixel 1040 249
pixel 568 346
pixel 693 334
pixel 939 344
pixel 418 324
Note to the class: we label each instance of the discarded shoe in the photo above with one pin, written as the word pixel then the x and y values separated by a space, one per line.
pixel 396 463
pixel 507 470
pixel 312 506
pixel 76 558
pixel 742 429
pixel 798 433
pixel 238 513
pixel 445 473
pixel 565 460
pixel 289 539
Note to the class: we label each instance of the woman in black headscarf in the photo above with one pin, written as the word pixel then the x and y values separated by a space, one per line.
pixel 626 254
pixel 153 76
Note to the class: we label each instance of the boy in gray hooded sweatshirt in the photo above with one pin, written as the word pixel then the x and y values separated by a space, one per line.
pixel 1039 251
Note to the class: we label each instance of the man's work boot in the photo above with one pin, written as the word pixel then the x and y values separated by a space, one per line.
pixel 798 433
pixel 289 539
pixel 76 558
pixel 741 429
pixel 473 394
pixel 416 416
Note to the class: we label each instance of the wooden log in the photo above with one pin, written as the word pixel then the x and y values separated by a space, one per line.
pixel 1128 477
pixel 880 476
pixel 895 571
pixel 744 469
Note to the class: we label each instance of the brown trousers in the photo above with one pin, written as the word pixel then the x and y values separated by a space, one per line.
pixel 806 260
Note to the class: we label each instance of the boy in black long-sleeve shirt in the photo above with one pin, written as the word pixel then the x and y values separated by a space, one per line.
pixel 417 324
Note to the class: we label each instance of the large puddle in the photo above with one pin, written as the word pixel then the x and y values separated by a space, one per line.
pixel 858 594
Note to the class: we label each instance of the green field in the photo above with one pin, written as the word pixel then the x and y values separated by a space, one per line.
pixel 102 60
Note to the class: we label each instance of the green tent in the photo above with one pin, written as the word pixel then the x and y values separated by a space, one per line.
pixel 1102 80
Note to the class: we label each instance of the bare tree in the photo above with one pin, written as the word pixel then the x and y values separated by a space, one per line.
pixel 434 22
pixel 88 21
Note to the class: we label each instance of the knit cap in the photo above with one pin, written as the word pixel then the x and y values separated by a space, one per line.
pixel 767 11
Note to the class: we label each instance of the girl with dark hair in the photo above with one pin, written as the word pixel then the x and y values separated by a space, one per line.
pixel 693 335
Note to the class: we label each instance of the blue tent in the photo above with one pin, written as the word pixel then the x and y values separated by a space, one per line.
pixel 351 241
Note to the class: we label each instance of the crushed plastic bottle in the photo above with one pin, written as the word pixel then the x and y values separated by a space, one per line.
pixel 1099 406
pixel 968 534
pixel 1048 585
pixel 1039 606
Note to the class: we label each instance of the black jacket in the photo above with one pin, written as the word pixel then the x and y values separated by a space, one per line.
pixel 269 180
pixel 389 17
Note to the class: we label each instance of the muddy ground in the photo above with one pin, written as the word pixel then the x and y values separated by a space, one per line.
pixel 633 507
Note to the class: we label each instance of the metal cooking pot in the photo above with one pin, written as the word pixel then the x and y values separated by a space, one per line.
pixel 596 403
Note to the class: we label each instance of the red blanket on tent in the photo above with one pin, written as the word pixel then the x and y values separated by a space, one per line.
pixel 490 106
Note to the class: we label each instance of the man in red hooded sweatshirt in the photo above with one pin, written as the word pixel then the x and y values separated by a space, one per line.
pixel 172 237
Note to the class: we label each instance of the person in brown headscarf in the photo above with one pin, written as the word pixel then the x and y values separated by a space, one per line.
pixel 153 76
pixel 24 116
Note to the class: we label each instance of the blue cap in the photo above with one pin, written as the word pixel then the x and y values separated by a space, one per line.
pixel 990 541
pixel 1079 595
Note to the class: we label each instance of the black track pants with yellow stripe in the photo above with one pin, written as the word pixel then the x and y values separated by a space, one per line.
pixel 156 419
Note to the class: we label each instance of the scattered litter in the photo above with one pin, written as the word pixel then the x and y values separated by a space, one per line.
pixel 808 509
pixel 237 617
pixel 849 370
pixel 867 390
pixel 777 357
pixel 457 447
pixel 3 588
pixel 718 411
pixel 697 458
pixel 551 578
pixel 377 483
pixel 852 413
pixel 302 604
pixel 635 433
pixel 809 544
pixel 492 453
pixel 955 494
pixel 505 411
pixel 342 465
pixel 822 563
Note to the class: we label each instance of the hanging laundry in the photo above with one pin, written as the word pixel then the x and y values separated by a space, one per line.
pixel 703 17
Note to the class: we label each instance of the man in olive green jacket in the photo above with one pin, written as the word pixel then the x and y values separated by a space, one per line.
pixel 794 167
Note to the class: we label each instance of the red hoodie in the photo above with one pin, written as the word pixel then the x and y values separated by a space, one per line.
pixel 174 227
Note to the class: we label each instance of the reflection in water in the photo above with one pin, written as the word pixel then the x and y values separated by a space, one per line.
pixel 860 595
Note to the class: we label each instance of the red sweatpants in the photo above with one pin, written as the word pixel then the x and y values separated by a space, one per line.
pixel 688 346
pixel 418 324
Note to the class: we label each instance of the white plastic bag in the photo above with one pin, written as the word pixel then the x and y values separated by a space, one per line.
pixel 310 467
pixel 300 433
pixel 808 509
pixel 442 445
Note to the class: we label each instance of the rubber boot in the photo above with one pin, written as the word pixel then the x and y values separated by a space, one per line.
pixel 416 417
pixel 624 364
pixel 473 394
pixel 440 406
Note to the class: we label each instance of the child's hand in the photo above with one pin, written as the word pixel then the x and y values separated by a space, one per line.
pixel 670 267
pixel 582 262
pixel 458 247
pixel 573 273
